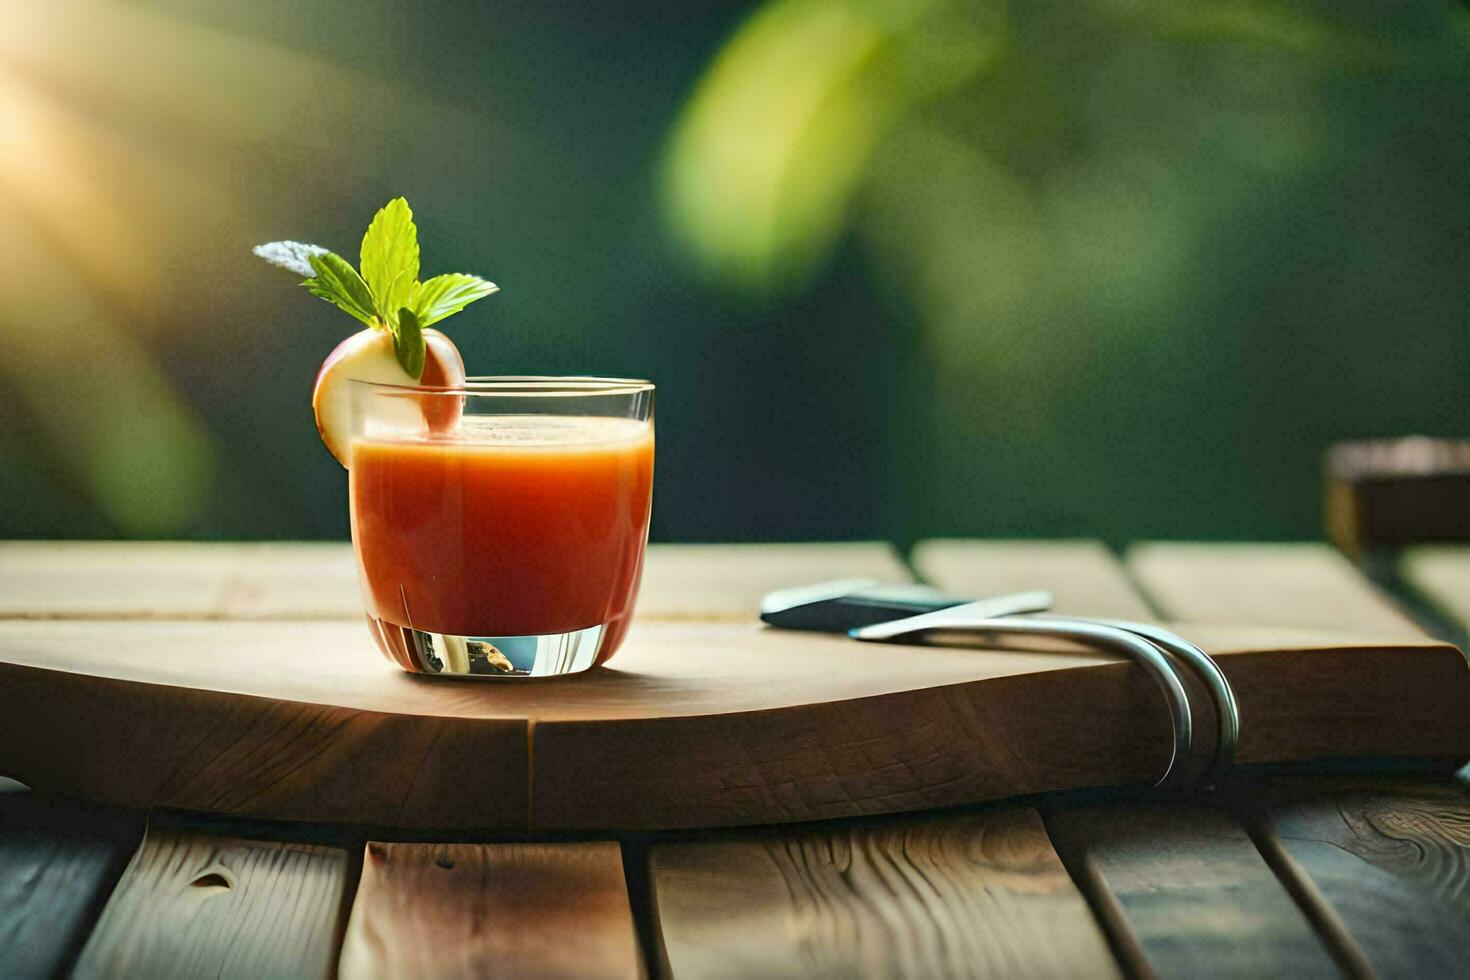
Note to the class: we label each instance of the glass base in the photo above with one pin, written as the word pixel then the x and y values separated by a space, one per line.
pixel 491 657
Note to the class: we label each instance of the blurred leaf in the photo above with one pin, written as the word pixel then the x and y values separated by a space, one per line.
pixel 1276 24
pixel 390 257
pixel 1125 232
pixel 964 239
pixel 763 163
pixel 1460 23
pixel 153 465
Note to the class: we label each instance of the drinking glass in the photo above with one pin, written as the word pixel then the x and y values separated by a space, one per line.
pixel 500 525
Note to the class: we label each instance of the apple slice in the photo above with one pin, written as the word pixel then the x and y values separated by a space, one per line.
pixel 368 356
pixel 443 368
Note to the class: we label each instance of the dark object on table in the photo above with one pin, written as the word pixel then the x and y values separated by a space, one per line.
pixel 836 607
pixel 1390 492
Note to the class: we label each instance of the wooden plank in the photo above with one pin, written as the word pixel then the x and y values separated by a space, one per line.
pixel 291 580
pixel 177 580
pixel 1388 857
pixel 727 581
pixel 1306 586
pixel 1197 897
pixel 191 904
pixel 295 581
pixel 164 580
pixel 1287 586
pixel 1441 574
pixel 466 910
pixel 86 579
pixel 58 863
pixel 1083 576
pixel 1388 493
pixel 980 895
pixel 1179 885
pixel 1369 870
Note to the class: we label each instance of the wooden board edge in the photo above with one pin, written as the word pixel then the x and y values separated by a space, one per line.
pixel 1384 712
pixel 971 761
pixel 313 763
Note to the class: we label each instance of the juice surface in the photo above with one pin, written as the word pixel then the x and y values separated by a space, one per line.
pixel 509 525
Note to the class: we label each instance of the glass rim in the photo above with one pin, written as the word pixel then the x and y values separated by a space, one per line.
pixel 524 385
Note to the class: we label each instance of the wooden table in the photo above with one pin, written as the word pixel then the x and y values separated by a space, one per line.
pixel 1276 873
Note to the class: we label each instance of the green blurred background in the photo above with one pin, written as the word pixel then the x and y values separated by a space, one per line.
pixel 899 268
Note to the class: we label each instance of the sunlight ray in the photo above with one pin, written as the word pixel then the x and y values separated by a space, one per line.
pixel 173 74
pixel 98 398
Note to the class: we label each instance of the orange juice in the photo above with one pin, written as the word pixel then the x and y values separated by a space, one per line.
pixel 507 525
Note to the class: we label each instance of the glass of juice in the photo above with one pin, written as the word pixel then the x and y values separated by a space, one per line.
pixel 500 525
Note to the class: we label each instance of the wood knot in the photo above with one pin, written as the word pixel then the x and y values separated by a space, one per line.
pixel 212 882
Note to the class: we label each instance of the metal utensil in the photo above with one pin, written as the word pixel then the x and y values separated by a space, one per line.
pixel 836 607
pixel 1023 632
pixel 874 612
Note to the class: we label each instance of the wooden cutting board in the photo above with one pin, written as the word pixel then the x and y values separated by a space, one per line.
pixel 705 719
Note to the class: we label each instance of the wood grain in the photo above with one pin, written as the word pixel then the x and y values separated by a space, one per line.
pixel 978 895
pixel 89 579
pixel 1380 494
pixel 1391 861
pixel 1084 579
pixel 727 581
pixel 1377 873
pixel 1083 576
pixel 1306 586
pixel 194 905
pixel 1292 586
pixel 1197 897
pixel 291 580
pixel 695 724
pixel 58 863
pixel 317 581
pixel 1180 886
pixel 177 580
pixel 470 910
pixel 255 732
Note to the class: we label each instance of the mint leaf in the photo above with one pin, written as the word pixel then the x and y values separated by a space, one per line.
pixel 337 282
pixel 388 284
pixel 408 343
pixel 293 256
pixel 439 297
pixel 390 258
